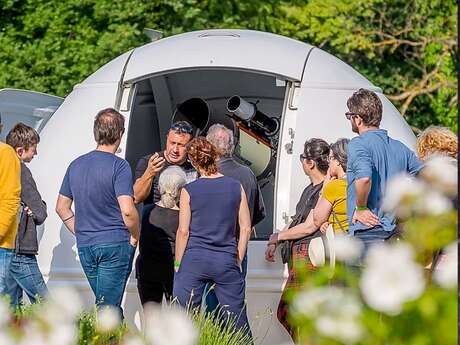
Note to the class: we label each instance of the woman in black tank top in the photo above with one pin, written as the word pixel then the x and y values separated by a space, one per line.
pixel 155 262
pixel 302 229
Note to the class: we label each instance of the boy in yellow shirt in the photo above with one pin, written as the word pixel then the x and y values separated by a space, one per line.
pixel 10 191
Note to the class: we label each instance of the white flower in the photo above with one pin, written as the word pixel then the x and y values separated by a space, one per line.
pixel 169 326
pixel 33 334
pixel 62 334
pixel 406 195
pixel 391 277
pixel 5 339
pixel 401 193
pixel 133 341
pixel 442 173
pixel 108 319
pixel 344 329
pixel 346 248
pixel 446 272
pixel 64 305
pixel 432 203
pixel 336 312
pixel 5 313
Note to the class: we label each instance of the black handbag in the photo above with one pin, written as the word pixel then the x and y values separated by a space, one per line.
pixel 286 250
pixel 286 246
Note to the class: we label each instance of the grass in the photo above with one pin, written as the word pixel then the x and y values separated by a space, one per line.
pixel 216 330
pixel 213 329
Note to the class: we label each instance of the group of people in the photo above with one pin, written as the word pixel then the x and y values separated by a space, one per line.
pixel 348 183
pixel 199 208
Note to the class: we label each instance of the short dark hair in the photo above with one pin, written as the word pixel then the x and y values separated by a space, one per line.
pixel 339 151
pixel 317 150
pixel 22 135
pixel 109 126
pixel 367 105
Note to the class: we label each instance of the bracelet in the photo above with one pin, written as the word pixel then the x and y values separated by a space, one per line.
pixel 361 208
pixel 176 264
pixel 65 220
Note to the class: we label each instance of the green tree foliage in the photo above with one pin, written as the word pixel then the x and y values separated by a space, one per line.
pixel 49 46
pixel 408 48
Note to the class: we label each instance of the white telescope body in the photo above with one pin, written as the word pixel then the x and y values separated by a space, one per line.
pixel 249 112
pixel 238 106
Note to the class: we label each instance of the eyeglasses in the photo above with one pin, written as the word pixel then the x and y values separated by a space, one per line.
pixel 350 114
pixel 302 157
pixel 181 127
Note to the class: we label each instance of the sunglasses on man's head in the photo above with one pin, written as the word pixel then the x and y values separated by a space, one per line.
pixel 302 157
pixel 182 127
pixel 350 114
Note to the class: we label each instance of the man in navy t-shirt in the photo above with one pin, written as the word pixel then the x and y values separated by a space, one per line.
pixel 106 222
pixel 373 159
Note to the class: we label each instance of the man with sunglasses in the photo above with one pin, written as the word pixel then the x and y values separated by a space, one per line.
pixel 373 159
pixel 149 167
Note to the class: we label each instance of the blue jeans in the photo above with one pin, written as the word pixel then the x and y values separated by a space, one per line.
pixel 27 275
pixel 8 286
pixel 107 268
pixel 210 298
pixel 370 237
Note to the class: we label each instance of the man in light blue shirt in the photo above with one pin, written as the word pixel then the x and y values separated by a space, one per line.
pixel 373 159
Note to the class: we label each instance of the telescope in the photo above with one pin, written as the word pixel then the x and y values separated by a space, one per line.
pixel 248 112
pixel 195 111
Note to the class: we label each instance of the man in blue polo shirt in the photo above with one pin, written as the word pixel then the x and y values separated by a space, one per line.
pixel 373 159
pixel 106 222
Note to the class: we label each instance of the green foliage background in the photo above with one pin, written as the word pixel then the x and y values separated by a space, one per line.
pixel 407 47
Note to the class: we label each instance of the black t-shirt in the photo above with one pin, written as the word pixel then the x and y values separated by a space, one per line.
pixel 155 261
pixel 307 202
pixel 154 195
pixel 229 167
pixel 158 232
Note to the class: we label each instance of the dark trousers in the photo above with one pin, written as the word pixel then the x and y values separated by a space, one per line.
pixel 25 271
pixel 154 279
pixel 210 297
pixel 107 268
pixel 199 267
pixel 153 291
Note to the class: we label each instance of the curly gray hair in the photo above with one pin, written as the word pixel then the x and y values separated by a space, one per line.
pixel 222 138
pixel 171 180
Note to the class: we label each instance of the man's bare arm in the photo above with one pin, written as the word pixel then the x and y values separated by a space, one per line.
pixel 363 188
pixel 64 211
pixel 142 188
pixel 366 217
pixel 130 216
pixel 143 185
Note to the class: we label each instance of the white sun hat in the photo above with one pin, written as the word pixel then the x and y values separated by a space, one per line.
pixel 321 248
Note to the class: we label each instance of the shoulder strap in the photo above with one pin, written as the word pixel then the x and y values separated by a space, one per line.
pixel 336 220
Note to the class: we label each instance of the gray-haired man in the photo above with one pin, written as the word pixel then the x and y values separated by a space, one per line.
pixel 222 138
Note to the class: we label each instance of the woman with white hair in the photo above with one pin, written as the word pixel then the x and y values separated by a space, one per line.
pixel 155 263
